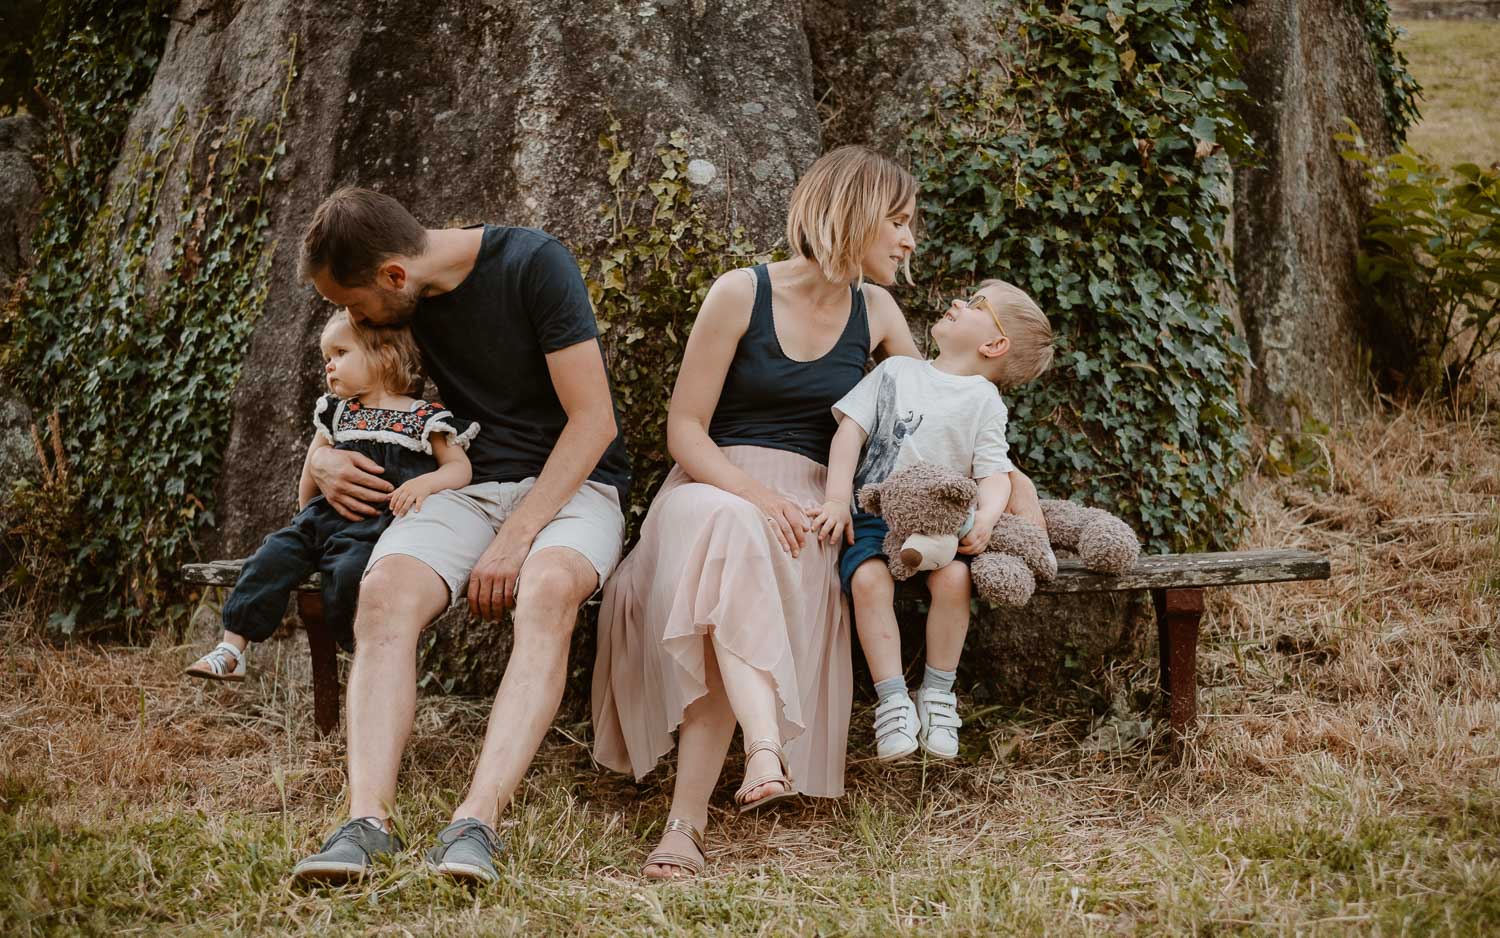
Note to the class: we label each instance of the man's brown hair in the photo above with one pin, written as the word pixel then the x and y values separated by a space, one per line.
pixel 353 231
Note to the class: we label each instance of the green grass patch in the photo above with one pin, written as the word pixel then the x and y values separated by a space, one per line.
pixel 1458 64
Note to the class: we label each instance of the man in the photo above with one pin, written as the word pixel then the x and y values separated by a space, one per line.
pixel 503 321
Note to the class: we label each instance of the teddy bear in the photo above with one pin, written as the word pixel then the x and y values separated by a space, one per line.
pixel 929 509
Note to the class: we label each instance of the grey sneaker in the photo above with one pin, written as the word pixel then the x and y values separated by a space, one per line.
pixel 466 850
pixel 347 854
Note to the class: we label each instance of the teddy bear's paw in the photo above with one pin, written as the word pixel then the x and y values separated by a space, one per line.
pixel 1064 521
pixel 1002 580
pixel 1107 545
pixel 1024 540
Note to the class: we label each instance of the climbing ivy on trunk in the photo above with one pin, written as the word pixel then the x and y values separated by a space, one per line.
pixel 1090 167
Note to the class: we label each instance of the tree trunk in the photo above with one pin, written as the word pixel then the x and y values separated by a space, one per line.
pixel 1298 205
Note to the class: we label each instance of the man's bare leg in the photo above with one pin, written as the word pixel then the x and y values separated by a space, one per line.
pixel 397 600
pixel 554 583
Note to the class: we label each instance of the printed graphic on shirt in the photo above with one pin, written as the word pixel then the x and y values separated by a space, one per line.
pixel 892 427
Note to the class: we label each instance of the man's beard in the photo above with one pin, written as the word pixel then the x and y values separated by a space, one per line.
pixel 397 307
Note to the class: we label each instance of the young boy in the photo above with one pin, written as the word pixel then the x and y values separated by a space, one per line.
pixel 946 411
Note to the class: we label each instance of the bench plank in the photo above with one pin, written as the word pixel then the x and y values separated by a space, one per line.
pixel 1177 571
pixel 1155 571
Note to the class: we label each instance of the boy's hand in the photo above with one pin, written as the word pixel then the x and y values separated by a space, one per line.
pixel 832 521
pixel 410 496
pixel 978 537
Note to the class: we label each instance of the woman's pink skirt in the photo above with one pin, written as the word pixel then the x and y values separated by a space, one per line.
pixel 707 561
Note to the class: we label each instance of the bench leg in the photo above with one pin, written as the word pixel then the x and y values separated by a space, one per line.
pixel 325 663
pixel 1178 612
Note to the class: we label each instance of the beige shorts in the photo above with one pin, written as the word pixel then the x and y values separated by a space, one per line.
pixel 455 526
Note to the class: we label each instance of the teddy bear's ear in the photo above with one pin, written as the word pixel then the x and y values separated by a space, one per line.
pixel 957 491
pixel 869 499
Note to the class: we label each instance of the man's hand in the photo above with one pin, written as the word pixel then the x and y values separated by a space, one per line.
pixel 350 481
pixel 493 581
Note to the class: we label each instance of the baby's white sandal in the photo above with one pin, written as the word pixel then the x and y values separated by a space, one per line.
pixel 895 728
pixel 223 663
pixel 937 712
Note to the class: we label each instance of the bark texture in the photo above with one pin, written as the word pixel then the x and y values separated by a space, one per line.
pixel 1298 208
pixel 20 195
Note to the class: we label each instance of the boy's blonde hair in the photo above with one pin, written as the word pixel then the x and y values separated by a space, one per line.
pixel 1029 331
pixel 839 205
pixel 393 351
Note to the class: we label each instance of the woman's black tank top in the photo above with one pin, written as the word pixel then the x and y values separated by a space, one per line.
pixel 772 400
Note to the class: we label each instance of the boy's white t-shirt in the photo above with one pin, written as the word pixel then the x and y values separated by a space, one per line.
pixel 911 412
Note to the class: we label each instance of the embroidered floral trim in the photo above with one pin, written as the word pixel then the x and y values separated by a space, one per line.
pixel 411 429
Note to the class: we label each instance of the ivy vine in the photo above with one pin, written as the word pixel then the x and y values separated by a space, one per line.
pixel 1400 90
pixel 1091 170
pixel 646 280
pixel 136 355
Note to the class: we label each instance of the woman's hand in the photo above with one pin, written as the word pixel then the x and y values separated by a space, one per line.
pixel 783 516
pixel 833 522
pixel 350 481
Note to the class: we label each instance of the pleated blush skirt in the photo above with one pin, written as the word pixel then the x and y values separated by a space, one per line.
pixel 707 561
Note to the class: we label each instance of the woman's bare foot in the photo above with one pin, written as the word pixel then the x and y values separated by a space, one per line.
pixel 679 854
pixel 761 764
pixel 672 842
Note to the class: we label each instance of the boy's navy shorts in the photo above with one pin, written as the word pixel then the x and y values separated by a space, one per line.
pixel 869 539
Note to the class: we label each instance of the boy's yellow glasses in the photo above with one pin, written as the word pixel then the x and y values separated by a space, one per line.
pixel 980 301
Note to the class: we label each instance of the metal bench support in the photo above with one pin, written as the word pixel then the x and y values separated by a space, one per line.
pixel 1178 612
pixel 325 662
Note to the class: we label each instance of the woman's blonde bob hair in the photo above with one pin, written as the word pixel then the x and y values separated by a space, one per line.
pixel 839 205
pixel 392 351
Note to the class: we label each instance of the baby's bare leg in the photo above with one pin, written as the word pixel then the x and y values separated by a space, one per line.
pixel 874 593
pixel 948 615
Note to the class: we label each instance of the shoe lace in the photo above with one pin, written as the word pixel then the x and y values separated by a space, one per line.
pixel 474 830
pixel 352 831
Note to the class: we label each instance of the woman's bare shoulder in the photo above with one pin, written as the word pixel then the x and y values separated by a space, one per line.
pixel 729 299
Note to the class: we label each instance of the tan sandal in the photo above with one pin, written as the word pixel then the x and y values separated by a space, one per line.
pixel 750 785
pixel 660 857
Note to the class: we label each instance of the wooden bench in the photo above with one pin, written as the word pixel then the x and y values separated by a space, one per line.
pixel 1176 582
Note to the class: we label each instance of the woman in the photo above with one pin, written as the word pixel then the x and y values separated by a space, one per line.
pixel 728 610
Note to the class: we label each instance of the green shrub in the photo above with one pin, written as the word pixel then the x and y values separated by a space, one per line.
pixel 1090 169
pixel 1430 259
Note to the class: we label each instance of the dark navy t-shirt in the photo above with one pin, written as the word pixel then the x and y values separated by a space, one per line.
pixel 484 345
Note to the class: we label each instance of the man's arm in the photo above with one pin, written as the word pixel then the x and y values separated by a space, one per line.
pixel 582 387
pixel 307 488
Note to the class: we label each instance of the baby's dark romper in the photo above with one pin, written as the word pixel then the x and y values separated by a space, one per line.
pixel 319 539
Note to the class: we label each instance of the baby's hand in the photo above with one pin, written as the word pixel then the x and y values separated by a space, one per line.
pixel 832 521
pixel 978 537
pixel 409 496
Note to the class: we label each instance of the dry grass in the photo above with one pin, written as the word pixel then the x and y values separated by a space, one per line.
pixel 1345 778
pixel 1458 64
